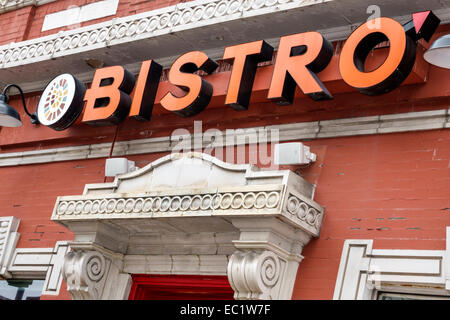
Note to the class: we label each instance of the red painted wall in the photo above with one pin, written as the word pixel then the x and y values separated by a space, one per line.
pixel 392 188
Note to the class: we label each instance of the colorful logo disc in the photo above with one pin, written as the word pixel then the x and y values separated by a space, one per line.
pixel 61 102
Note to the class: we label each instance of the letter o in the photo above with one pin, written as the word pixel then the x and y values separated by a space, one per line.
pixel 392 72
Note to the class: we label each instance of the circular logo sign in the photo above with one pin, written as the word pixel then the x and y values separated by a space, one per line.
pixel 61 102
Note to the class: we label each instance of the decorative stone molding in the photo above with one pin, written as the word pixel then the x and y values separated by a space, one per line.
pixel 255 275
pixel 267 260
pixel 168 31
pixel 404 122
pixel 40 263
pixel 85 274
pixel 37 263
pixel 89 269
pixel 207 200
pixel 365 271
pixel 9 5
pixel 174 18
pixel 154 206
pixel 183 16
pixel 308 214
pixel 191 214
pixel 30 263
pixel 195 264
pixel 8 240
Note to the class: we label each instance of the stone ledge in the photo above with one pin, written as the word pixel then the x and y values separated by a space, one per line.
pixel 404 122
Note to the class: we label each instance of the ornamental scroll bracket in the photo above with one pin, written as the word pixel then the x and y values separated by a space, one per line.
pixel 88 269
pixel 267 260
pixel 255 275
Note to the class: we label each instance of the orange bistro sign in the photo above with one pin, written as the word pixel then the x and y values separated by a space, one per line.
pixel 299 58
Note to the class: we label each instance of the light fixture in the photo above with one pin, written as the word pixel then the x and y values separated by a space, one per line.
pixel 439 52
pixel 293 153
pixel 9 117
pixel 115 166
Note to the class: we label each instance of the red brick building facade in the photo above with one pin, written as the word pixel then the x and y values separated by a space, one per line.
pixel 382 173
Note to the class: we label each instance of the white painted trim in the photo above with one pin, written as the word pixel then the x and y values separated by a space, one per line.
pixel 206 264
pixel 155 23
pixel 364 271
pixel 404 122
pixel 30 263
pixel 10 5
pixel 137 27
pixel 8 241
pixel 40 263
pixel 76 15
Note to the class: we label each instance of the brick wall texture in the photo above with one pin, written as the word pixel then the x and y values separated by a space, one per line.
pixel 393 188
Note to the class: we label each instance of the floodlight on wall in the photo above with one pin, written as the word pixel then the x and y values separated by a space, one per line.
pixel 439 52
pixel 294 153
pixel 9 117
pixel 116 166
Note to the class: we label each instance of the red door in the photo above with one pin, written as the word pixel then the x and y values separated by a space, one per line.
pixel 180 287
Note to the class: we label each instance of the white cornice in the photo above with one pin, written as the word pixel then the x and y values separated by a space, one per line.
pixel 183 16
pixel 186 15
pixel 9 5
pixel 130 35
pixel 404 122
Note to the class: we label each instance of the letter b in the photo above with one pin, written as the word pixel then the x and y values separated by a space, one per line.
pixel 107 100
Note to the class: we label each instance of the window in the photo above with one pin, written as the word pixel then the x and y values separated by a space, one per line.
pixel 21 289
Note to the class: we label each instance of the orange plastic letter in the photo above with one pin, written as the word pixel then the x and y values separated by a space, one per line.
pixel 246 58
pixel 145 91
pixel 392 72
pixel 108 100
pixel 199 91
pixel 299 58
